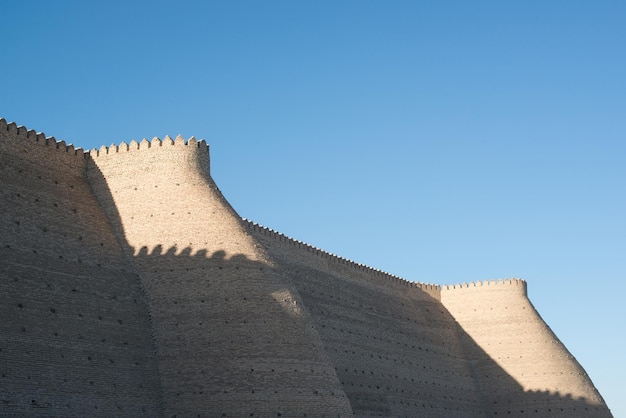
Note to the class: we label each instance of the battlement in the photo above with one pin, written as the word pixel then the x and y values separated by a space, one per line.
pixel 21 132
pixel 520 283
pixel 125 265
pixel 336 258
pixel 144 144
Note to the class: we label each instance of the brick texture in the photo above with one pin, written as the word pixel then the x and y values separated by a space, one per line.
pixel 130 287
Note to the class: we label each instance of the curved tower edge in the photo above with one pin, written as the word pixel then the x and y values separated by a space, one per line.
pixel 503 326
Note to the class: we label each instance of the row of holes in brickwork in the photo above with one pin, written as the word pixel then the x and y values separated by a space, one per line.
pixel 407 403
pixel 366 307
pixel 50 286
pixel 41 404
pixel 431 351
pixel 422 338
pixel 45 229
pixel 54 204
pixel 300 392
pixel 542 411
pixel 47 179
pixel 252 414
pixel 80 315
pixel 79 336
pixel 404 378
pixel 82 383
pixel 88 358
pixel 410 393
pixel 390 387
pixel 363 308
pixel 61 257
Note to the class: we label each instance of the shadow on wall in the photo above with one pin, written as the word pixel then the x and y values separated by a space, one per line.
pixel 399 352
pixel 232 347
pixel 236 337
pixel 233 336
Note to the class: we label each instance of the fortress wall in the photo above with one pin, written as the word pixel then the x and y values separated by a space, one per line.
pixel 109 255
pixel 395 347
pixel 231 332
pixel 75 330
pixel 318 258
pixel 508 338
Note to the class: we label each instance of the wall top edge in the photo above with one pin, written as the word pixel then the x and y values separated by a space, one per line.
pixel 485 283
pixel 39 137
pixel 295 242
pixel 144 144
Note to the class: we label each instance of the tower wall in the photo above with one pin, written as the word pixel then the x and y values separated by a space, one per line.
pixel 130 287
pixel 75 335
pixel 520 365
pixel 232 335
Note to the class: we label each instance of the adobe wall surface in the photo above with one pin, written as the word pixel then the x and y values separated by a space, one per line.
pixel 131 287
pixel 394 346
pixel 231 333
pixel 506 336
pixel 75 333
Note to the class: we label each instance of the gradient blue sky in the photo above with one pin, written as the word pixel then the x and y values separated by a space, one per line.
pixel 440 141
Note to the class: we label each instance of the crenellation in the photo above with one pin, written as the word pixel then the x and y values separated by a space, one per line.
pixel 12 128
pixel 144 144
pixel 502 283
pixel 314 250
pixel 134 282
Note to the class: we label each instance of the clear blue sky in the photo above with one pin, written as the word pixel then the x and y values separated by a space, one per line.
pixel 440 141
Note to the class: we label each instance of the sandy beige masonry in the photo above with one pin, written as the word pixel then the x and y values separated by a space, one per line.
pixel 130 287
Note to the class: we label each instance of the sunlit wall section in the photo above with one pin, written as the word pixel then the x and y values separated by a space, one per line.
pixel 231 333
pixel 505 338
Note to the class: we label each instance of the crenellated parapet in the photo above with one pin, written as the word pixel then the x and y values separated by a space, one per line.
pixel 335 258
pixel 11 131
pixel 145 144
pixel 519 283
pixel 126 267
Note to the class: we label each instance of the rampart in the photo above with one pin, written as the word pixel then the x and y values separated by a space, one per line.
pixel 131 287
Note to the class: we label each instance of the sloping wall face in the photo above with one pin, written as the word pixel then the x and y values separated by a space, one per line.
pixel 74 331
pixel 130 287
pixel 232 337
pixel 521 366
pixel 395 347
